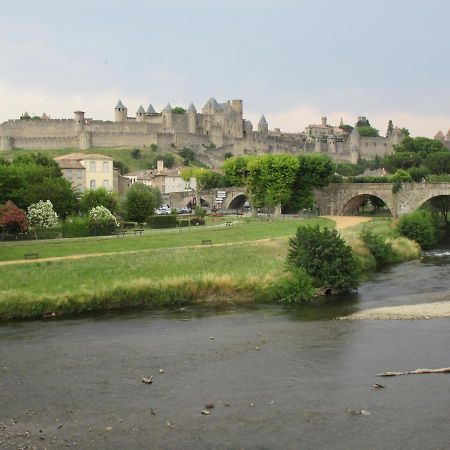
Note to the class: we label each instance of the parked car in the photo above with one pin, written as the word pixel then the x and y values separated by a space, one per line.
pixel 184 211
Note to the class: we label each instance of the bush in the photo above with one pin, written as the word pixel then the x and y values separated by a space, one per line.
pixel 382 251
pixel 183 223
pixel 420 226
pixel 75 227
pixel 199 211
pixel 297 288
pixel 163 221
pixel 400 175
pixel 101 221
pixel 13 220
pixel 324 255
pixel 197 221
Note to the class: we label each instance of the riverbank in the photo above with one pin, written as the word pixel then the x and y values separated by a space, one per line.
pixel 424 311
pixel 236 267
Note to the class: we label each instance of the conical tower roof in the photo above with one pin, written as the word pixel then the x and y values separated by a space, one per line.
pixel 150 109
pixel 168 108
pixel 262 121
pixel 212 103
pixel 120 105
pixel 440 135
pixel 191 108
pixel 448 135
pixel 140 110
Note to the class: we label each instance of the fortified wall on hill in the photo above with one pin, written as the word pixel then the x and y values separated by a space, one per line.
pixel 219 129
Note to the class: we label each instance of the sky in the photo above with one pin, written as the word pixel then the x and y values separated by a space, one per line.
pixel 293 61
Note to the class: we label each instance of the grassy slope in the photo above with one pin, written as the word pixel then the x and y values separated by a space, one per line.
pixel 120 154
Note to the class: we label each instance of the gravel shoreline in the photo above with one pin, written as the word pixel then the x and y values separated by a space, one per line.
pixel 424 311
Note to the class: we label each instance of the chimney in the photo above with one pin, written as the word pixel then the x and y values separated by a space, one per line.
pixel 159 165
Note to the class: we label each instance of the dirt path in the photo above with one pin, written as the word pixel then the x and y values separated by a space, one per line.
pixel 341 222
pixel 347 221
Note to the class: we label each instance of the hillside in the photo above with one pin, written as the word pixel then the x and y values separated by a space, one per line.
pixel 133 160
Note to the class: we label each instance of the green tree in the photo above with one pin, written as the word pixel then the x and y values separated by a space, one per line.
pixel 60 192
pixel 420 145
pixel 390 128
pixel 270 178
pixel 314 171
pixel 140 203
pixel 438 162
pixel 178 110
pixel 122 168
pixel 167 158
pixel 348 169
pixel 368 131
pixel 325 256
pixel 98 197
pixel 235 170
pixel 39 159
pixel 420 226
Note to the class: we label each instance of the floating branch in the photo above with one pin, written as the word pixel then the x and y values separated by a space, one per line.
pixel 415 372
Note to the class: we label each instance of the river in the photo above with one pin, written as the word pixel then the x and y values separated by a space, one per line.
pixel 279 378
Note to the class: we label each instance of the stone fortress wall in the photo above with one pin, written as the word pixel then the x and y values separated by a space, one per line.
pixel 220 128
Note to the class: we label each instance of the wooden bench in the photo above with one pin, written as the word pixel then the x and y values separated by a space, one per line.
pixel 31 255
pixel 207 242
pixel 120 232
pixel 228 224
pixel 138 231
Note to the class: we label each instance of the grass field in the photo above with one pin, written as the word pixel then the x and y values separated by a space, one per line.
pixel 165 268
pixel 154 239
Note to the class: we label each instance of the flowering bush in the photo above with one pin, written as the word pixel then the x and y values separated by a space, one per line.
pixel 42 216
pixel 13 220
pixel 101 221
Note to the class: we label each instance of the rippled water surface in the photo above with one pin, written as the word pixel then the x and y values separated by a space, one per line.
pixel 279 378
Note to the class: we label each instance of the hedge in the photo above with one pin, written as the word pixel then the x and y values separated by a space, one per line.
pixel 162 221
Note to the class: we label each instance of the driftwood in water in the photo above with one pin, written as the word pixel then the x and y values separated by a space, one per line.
pixel 415 372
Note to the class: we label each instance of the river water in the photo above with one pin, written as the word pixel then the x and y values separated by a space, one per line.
pixel 279 378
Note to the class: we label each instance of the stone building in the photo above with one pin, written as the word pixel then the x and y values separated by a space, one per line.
pixel 218 129
pixel 445 139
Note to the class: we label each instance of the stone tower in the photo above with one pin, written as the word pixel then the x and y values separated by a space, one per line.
pixel 192 117
pixel 140 114
pixel 120 112
pixel 168 117
pixel 263 127
pixel 79 121
pixel 237 107
pixel 150 111
pixel 355 138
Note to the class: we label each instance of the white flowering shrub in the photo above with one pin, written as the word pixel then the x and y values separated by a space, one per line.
pixel 102 221
pixel 41 215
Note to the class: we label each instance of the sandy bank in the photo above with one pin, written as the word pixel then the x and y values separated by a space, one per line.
pixel 404 312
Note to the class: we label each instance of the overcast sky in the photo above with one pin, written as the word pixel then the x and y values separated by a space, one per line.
pixel 293 61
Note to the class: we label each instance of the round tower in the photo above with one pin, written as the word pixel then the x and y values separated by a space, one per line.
pixel 79 120
pixel 168 117
pixel 120 112
pixel 192 117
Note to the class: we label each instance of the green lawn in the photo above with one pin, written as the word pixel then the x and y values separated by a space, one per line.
pixel 170 271
pixel 154 239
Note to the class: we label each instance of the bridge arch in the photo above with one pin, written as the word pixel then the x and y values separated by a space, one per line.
pixel 353 204
pixel 236 201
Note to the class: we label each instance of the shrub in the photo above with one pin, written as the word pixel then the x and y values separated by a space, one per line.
pixel 382 251
pixel 163 221
pixel 197 221
pixel 324 255
pixel 397 186
pixel 41 216
pixel 101 221
pixel 98 197
pixel 13 220
pixel 199 212
pixel 400 175
pixel 75 226
pixel 420 227
pixel 296 288
pixel 183 223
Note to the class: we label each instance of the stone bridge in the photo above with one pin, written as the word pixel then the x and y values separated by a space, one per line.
pixel 344 198
pixel 336 199
pixel 230 198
